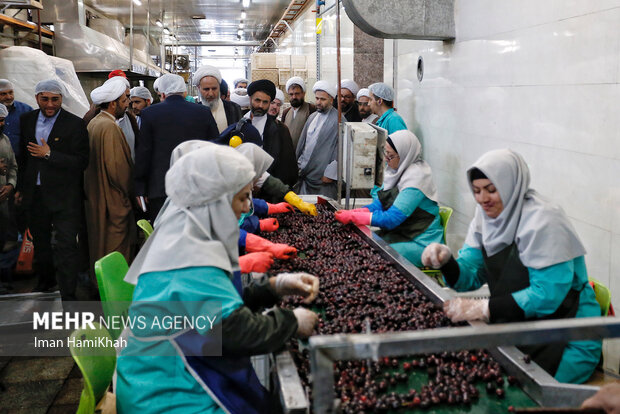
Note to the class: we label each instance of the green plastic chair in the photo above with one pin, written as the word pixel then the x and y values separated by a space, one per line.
pixel 603 296
pixel 444 217
pixel 146 228
pixel 97 365
pixel 115 293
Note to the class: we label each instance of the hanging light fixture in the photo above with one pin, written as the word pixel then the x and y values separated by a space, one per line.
pixel 159 23
pixel 245 3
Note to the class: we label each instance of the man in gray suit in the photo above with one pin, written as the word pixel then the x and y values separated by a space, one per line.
pixel 317 149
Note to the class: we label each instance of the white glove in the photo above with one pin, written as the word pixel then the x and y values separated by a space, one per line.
pixel 302 284
pixel 464 309
pixel 436 255
pixel 306 321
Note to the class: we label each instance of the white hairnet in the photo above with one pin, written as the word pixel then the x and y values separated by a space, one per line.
pixel 186 147
pixel 240 97
pixel 5 85
pixel 207 70
pixel 156 84
pixel 170 84
pixel 141 92
pixel 3 111
pixel 259 158
pixel 363 92
pixel 279 95
pixel 51 86
pixel 350 85
pixel 198 227
pixel 296 80
pixel 382 90
pixel 111 90
pixel 240 80
pixel 325 86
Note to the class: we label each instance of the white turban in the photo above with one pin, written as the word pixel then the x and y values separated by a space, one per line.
pixel 240 80
pixel 382 90
pixel 170 84
pixel 3 111
pixel 363 92
pixel 51 86
pixel 326 87
pixel 111 90
pixel 296 80
pixel 141 92
pixel 350 85
pixel 5 85
pixel 279 95
pixel 207 70
pixel 240 97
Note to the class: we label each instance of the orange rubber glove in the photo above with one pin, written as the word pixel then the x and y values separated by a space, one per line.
pixel 254 243
pixel 259 262
pixel 269 224
pixel 279 208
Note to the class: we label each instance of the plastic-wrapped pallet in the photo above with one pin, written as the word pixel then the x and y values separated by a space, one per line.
pixel 25 67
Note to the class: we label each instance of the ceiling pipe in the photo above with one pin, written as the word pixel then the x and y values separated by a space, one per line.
pixel 217 43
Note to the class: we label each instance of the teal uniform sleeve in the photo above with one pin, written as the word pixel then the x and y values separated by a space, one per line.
pixel 405 204
pixel 548 288
pixel 470 261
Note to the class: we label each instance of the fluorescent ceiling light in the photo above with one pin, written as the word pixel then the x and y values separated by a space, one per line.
pixel 137 2
pixel 240 25
pixel 240 32
pixel 198 16
pixel 166 31
pixel 243 15
pixel 245 3
pixel 159 23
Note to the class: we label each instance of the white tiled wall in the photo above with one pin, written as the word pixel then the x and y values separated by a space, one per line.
pixel 540 77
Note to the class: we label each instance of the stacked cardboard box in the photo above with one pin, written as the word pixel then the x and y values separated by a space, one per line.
pixel 278 68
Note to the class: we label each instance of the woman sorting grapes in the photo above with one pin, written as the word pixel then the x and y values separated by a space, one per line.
pixel 528 252
pixel 406 207
pixel 189 268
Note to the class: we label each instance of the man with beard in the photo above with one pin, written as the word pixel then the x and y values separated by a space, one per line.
pixel 275 135
pixel 297 114
pixel 363 106
pixel 108 178
pixel 348 94
pixel 276 104
pixel 241 83
pixel 16 109
pixel 8 177
pixel 52 159
pixel 207 79
pixel 317 150
pixel 140 98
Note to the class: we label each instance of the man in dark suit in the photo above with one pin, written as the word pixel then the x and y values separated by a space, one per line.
pixel 208 80
pixel 53 156
pixel 164 126
pixel 276 137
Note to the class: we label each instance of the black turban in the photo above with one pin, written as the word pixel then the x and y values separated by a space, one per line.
pixel 262 85
pixel 224 88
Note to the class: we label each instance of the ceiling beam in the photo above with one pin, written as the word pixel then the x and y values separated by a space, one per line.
pixel 216 43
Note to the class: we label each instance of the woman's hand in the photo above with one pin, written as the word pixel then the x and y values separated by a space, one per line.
pixel 306 321
pixel 464 309
pixel 436 255
pixel 302 284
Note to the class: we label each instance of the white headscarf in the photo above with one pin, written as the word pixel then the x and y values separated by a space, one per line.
pixel 541 229
pixel 198 227
pixel 412 170
pixel 259 158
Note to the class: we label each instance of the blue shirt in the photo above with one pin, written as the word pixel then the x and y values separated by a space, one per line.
pixel 44 127
pixel 11 123
pixel 391 121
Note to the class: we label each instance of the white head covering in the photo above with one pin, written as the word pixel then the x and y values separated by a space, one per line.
pixel 156 84
pixel 382 90
pixel 295 80
pixel 541 230
pixel 207 70
pixel 141 92
pixel 240 80
pixel 259 158
pixel 5 85
pixel 111 90
pixel 326 87
pixel 240 98
pixel 3 111
pixel 170 84
pixel 363 92
pixel 350 85
pixel 412 170
pixel 50 86
pixel 279 95
pixel 198 227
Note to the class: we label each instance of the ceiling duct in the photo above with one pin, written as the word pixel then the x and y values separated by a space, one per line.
pixel 403 19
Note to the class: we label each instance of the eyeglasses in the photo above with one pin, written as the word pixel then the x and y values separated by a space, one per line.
pixel 389 157
pixel 362 104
